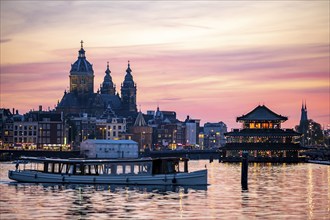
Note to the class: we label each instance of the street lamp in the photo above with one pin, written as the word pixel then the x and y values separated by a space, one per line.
pixel 102 131
pixel 142 139
pixel 40 141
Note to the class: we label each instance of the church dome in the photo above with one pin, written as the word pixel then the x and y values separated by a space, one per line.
pixel 81 66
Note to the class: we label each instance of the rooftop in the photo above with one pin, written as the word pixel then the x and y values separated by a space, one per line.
pixel 261 113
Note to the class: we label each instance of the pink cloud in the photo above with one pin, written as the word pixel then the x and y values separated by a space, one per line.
pixel 210 85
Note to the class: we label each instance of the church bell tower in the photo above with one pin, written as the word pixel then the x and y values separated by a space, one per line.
pixel 107 87
pixel 128 92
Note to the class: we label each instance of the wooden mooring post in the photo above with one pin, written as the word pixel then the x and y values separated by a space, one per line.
pixel 244 172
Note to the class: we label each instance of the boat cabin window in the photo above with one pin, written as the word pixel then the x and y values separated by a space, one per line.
pixel 133 168
pixel 92 168
pixel 167 166
pixel 33 166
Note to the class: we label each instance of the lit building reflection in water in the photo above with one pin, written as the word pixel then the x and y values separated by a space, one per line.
pixel 310 193
pixel 276 191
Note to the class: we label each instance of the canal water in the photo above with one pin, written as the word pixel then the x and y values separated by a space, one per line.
pixel 276 191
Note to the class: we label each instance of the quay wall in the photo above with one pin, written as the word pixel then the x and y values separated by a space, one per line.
pixel 7 155
pixel 191 154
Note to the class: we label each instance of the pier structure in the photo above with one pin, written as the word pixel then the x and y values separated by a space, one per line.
pixel 263 138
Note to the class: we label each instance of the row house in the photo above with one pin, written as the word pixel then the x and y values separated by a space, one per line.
pixel 35 130
pixel 110 129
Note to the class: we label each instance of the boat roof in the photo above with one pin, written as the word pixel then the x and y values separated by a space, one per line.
pixel 95 161
pixel 102 141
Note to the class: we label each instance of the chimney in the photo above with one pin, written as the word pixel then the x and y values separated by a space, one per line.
pixel 40 108
pixel 13 111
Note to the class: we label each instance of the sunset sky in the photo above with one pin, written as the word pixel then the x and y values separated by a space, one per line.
pixel 212 60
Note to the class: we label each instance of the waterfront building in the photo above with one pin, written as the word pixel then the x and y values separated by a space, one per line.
pixel 114 149
pixel 81 97
pixel 192 131
pixel 27 135
pixel 80 128
pixel 110 128
pixel 141 133
pixel 41 130
pixel 214 134
pixel 262 137
pixel 6 128
pixel 180 135
pixel 167 132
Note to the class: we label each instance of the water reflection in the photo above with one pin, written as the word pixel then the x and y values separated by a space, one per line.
pixel 160 189
pixel 276 191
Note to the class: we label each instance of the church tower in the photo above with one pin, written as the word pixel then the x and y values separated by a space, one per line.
pixel 81 75
pixel 303 117
pixel 107 87
pixel 303 125
pixel 128 92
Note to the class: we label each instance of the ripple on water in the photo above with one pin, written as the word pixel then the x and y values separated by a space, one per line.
pixel 298 191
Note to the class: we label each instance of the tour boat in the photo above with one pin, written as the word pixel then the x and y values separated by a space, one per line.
pixel 144 171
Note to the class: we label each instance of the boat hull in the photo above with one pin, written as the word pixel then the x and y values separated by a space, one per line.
pixel 192 178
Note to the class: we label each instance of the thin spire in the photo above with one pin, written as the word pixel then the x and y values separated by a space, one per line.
pixel 81 51
pixel 128 68
pixel 140 122
pixel 108 69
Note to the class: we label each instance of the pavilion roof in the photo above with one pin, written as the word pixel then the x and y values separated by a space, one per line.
pixel 261 113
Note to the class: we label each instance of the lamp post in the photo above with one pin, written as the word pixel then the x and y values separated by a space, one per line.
pixel 142 134
pixel 102 131
pixel 174 139
pixel 40 136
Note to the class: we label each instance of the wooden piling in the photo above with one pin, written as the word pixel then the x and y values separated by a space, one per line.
pixel 244 171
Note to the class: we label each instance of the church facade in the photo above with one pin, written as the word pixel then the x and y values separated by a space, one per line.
pixel 82 99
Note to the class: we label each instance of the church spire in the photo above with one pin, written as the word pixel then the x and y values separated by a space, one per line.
pixel 108 70
pixel 128 68
pixel 303 117
pixel 107 87
pixel 81 51
pixel 128 91
pixel 140 122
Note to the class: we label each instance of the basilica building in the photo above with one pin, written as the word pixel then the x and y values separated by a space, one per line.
pixel 82 99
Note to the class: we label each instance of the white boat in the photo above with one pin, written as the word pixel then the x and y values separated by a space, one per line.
pixel 144 171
